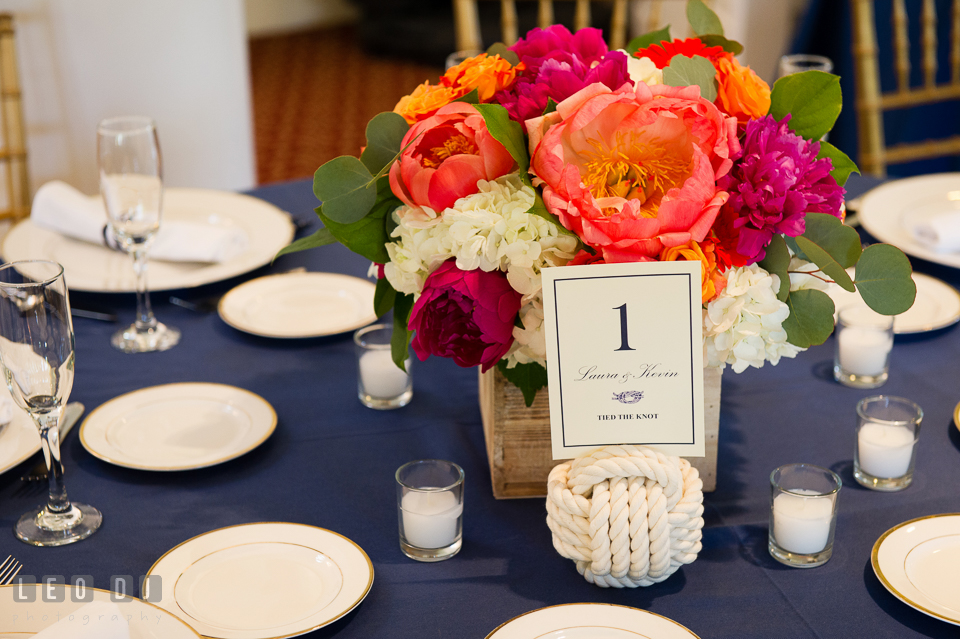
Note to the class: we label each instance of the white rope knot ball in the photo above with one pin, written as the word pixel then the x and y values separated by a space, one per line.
pixel 628 515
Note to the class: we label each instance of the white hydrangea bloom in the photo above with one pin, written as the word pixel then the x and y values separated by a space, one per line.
pixel 529 342
pixel 488 230
pixel 643 70
pixel 799 281
pixel 744 325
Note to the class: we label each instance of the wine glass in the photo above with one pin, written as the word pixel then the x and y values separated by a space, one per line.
pixel 131 182
pixel 36 356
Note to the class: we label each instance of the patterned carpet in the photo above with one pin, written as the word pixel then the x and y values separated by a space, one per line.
pixel 313 94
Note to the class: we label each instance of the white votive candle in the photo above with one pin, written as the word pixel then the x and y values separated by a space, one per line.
pixel 802 524
pixel 884 450
pixel 430 519
pixel 863 351
pixel 380 376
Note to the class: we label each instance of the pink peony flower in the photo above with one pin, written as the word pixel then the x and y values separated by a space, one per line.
pixel 634 170
pixel 775 181
pixel 466 315
pixel 558 64
pixel 450 152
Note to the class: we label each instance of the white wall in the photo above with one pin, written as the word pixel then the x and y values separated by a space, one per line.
pixel 183 62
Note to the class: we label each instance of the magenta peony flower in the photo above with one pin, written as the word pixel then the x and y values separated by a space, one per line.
pixel 466 315
pixel 558 64
pixel 775 181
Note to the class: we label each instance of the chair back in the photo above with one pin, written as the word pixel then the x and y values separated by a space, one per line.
pixel 872 102
pixel 466 17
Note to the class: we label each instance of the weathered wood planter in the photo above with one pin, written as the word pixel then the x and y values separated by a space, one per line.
pixel 518 438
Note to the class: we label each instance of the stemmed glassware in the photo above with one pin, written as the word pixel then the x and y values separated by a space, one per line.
pixel 131 182
pixel 36 357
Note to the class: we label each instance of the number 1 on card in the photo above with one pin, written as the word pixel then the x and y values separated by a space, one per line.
pixel 624 345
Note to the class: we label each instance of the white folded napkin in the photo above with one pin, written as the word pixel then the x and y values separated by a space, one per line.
pixel 940 233
pixel 96 620
pixel 6 406
pixel 59 207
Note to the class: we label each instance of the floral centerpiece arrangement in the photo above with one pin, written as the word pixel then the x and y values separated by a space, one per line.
pixel 557 151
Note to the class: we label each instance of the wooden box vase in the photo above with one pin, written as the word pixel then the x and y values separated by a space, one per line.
pixel 518 437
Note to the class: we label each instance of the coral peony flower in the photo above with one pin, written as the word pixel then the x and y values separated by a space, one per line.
pixel 448 154
pixel 776 180
pixel 557 65
pixel 487 74
pixel 711 281
pixel 740 92
pixel 662 53
pixel 635 170
pixel 466 315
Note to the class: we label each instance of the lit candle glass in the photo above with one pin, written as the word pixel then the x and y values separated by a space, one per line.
pixel 887 432
pixel 803 507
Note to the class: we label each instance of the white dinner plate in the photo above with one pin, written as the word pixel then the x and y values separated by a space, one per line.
pixel 178 426
pixel 89 267
pixel 26 618
pixel 890 211
pixel 263 580
pixel 19 440
pixel 292 305
pixel 590 621
pixel 937 305
pixel 918 562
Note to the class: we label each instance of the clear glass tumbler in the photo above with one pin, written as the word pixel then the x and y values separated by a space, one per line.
pixel 381 384
pixel 864 339
pixel 888 429
pixel 803 514
pixel 430 509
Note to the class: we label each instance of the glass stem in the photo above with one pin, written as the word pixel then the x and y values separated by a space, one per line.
pixel 49 424
pixel 145 319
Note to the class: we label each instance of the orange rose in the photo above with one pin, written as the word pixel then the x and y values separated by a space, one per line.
pixel 741 92
pixel 487 74
pixel 711 281
pixel 424 102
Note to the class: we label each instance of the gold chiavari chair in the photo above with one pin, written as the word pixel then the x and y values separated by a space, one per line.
pixel 872 102
pixel 466 18
pixel 13 150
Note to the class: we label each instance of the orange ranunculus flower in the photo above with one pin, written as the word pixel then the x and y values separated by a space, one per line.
pixel 486 74
pixel 741 93
pixel 711 281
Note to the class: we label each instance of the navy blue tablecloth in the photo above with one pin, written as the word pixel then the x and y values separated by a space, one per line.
pixel 331 462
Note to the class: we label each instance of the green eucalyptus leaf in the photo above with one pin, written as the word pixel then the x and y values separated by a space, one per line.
pixel 384 138
pixel 347 189
pixel 811 318
pixel 792 243
pixel 776 262
pixel 648 39
pixel 500 49
pixel 400 339
pixel 699 71
pixel 551 106
pixel 471 98
pixel 507 132
pixel 529 378
pixel 843 166
pixel 383 297
pixel 715 40
pixel 320 238
pixel 369 235
pixel 702 18
pixel 540 210
pixel 884 279
pixel 831 246
pixel 812 99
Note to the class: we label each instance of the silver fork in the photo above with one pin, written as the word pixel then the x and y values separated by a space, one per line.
pixel 9 569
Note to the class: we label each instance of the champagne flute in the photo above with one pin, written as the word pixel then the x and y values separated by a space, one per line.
pixel 36 356
pixel 131 182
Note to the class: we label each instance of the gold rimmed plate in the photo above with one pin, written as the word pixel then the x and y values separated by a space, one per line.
pixel 918 561
pixel 86 612
pixel 937 305
pixel 178 426
pixel 590 621
pixel 263 580
pixel 298 305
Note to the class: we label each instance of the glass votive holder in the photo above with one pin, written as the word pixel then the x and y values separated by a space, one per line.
pixel 797 62
pixel 803 514
pixel 864 340
pixel 430 509
pixel 887 432
pixel 457 57
pixel 381 384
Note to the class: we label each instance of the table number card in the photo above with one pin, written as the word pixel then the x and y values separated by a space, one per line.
pixel 625 356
